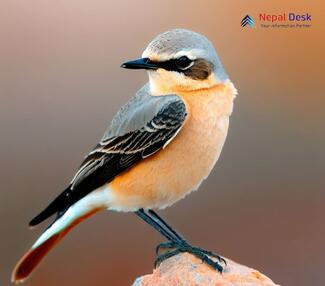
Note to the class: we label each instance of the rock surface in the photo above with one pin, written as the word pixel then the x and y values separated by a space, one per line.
pixel 186 270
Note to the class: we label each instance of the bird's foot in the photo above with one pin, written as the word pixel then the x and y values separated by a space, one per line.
pixel 169 249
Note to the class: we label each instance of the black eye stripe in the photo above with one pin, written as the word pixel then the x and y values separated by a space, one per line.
pixel 198 69
pixel 178 65
pixel 183 62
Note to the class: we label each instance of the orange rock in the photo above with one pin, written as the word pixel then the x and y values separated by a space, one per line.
pixel 186 270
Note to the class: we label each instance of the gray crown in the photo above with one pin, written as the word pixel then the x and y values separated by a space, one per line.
pixel 182 40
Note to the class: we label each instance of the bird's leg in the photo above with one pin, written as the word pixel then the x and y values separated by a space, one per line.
pixel 159 225
pixel 176 243
pixel 163 222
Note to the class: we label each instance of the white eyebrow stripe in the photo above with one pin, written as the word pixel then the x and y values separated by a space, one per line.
pixel 191 54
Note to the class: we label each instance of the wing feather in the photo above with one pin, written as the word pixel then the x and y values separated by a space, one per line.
pixel 122 148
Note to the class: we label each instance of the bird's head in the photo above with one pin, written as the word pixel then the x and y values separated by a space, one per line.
pixel 180 60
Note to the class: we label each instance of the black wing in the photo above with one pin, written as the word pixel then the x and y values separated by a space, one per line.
pixel 114 155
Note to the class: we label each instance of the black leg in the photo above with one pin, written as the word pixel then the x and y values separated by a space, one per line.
pixel 180 238
pixel 176 243
pixel 157 223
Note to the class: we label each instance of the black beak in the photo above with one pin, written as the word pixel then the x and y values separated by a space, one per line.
pixel 143 63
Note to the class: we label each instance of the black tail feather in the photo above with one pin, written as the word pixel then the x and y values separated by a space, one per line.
pixel 54 207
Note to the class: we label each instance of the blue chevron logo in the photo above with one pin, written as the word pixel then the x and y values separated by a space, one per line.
pixel 247 20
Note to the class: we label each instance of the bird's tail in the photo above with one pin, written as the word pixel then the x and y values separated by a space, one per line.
pixel 53 234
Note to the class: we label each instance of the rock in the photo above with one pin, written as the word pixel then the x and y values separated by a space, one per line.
pixel 187 270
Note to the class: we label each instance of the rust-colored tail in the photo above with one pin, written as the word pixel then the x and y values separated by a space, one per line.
pixel 33 256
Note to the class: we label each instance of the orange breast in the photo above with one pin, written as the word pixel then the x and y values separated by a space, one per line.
pixel 173 172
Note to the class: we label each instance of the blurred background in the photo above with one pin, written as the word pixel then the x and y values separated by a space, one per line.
pixel 60 85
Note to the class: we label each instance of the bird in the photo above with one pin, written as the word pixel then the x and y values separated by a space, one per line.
pixel 158 148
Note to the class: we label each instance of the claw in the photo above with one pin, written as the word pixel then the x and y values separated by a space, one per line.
pixel 165 256
pixel 185 247
pixel 210 253
pixel 164 245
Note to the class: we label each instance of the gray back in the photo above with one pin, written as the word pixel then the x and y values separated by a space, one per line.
pixel 138 111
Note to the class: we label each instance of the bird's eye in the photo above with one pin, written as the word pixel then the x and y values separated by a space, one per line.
pixel 183 62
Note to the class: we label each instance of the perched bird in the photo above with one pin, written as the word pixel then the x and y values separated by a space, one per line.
pixel 158 148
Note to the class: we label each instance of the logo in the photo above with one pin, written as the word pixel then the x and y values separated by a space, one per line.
pixel 278 20
pixel 247 20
